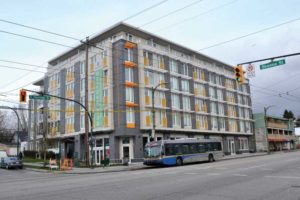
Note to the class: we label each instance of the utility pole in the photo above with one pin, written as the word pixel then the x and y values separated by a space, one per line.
pixel 266 122
pixel 153 110
pixel 86 122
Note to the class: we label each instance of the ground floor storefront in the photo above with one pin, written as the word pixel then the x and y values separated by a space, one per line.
pixel 130 148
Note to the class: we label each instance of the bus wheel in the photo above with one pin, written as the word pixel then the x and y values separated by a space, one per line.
pixel 179 161
pixel 211 158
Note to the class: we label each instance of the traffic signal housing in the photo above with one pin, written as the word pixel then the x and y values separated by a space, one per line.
pixel 239 74
pixel 23 97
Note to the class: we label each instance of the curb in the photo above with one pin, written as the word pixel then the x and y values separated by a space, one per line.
pixel 248 156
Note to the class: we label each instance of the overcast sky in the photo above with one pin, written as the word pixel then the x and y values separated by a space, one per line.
pixel 203 24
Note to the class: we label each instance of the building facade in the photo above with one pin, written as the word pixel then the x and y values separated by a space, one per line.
pixel 277 133
pixel 200 99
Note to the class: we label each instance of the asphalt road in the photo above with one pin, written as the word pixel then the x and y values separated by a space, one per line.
pixel 271 177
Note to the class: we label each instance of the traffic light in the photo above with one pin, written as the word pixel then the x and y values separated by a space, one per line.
pixel 239 74
pixel 23 96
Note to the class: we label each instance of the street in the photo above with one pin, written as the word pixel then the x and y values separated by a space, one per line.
pixel 265 177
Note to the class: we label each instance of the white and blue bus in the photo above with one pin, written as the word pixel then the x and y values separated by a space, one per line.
pixel 182 151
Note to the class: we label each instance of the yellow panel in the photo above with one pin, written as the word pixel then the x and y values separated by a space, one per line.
pixel 196 91
pixel 147 100
pixel 164 122
pixel 196 107
pixel 91 67
pixel 146 80
pixel 146 61
pixel 105 100
pixel 105 121
pixel 203 92
pixel 202 76
pixel 162 65
pixel 148 120
pixel 198 124
pixel 104 62
pixel 105 82
pixel 195 75
pixel 206 125
pixel 163 102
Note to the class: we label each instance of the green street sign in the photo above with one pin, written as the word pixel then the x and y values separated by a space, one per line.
pixel 272 64
pixel 39 97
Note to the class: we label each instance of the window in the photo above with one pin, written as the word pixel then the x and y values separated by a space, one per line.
pixel 160 97
pixel 222 124
pixel 232 125
pixel 246 100
pixel 200 105
pixel 212 78
pixel 241 113
pixel 148 96
pixel 214 123
pixel 174 83
pixel 212 92
pixel 128 74
pixel 199 89
pixel 82 86
pixel 213 108
pixel 230 97
pixel 247 113
pixel 185 85
pixel 129 54
pixel 148 58
pixel 176 119
pixel 174 66
pixel 185 69
pixel 187 120
pixel 162 115
pixel 129 115
pixel 82 67
pixel 220 94
pixel 219 80
pixel 221 109
pixel 130 94
pixel 201 122
pixel 231 111
pixel 244 144
pixel 247 127
pixel 242 126
pixel 186 105
pixel 240 99
pixel 199 74
pixel 175 101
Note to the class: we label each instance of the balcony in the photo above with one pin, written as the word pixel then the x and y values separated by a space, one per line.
pixel 129 64
pixel 277 125
pixel 129 45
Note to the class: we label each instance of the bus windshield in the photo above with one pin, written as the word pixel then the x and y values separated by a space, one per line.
pixel 152 151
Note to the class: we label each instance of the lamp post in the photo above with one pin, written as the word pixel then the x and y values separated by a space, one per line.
pixel 153 110
pixel 265 118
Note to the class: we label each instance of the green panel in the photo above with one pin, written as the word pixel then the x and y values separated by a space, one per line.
pixel 98 95
pixel 259 120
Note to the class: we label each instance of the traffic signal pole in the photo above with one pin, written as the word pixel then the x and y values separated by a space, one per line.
pixel 84 107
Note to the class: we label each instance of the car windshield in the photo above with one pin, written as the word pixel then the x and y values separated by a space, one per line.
pixel 152 151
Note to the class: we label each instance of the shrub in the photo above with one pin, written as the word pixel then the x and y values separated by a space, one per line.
pixel 30 154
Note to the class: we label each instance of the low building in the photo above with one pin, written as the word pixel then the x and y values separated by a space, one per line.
pixel 277 133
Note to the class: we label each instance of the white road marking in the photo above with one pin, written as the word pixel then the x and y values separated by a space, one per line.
pixel 213 174
pixel 284 177
pixel 251 167
pixel 190 173
pixel 267 169
pixel 239 175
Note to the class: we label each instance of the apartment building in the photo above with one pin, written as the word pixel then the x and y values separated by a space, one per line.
pixel 276 133
pixel 200 99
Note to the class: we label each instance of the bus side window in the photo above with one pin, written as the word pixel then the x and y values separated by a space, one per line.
pixel 193 148
pixel 177 149
pixel 208 147
pixel 201 148
pixel 169 149
pixel 185 148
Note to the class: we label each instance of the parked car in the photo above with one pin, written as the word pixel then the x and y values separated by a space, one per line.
pixel 11 162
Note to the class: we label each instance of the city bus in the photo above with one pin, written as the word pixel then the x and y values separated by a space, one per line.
pixel 182 151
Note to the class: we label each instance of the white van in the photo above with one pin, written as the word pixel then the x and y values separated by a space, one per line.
pixel 3 154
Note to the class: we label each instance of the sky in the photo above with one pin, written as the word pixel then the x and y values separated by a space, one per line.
pixel 196 24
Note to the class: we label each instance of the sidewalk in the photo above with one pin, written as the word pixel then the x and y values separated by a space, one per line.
pixel 130 167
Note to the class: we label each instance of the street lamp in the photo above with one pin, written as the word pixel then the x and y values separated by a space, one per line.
pixel 153 110
pixel 265 118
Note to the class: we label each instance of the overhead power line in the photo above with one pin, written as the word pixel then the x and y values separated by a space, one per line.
pixel 38 29
pixel 21 63
pixel 31 70
pixel 170 13
pixel 253 33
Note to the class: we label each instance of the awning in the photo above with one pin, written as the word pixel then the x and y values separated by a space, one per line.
pixel 278 140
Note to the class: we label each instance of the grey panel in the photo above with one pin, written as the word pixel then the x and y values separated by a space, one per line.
pixel 77 96
pixel 62 92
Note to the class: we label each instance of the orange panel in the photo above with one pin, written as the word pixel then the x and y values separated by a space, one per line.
pixel 196 107
pixel 146 61
pixel 105 121
pixel 105 100
pixel 146 80
pixel 130 125
pixel 196 91
pixel 129 45
pixel 131 104
pixel 162 65
pixel 129 64
pixel 130 84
